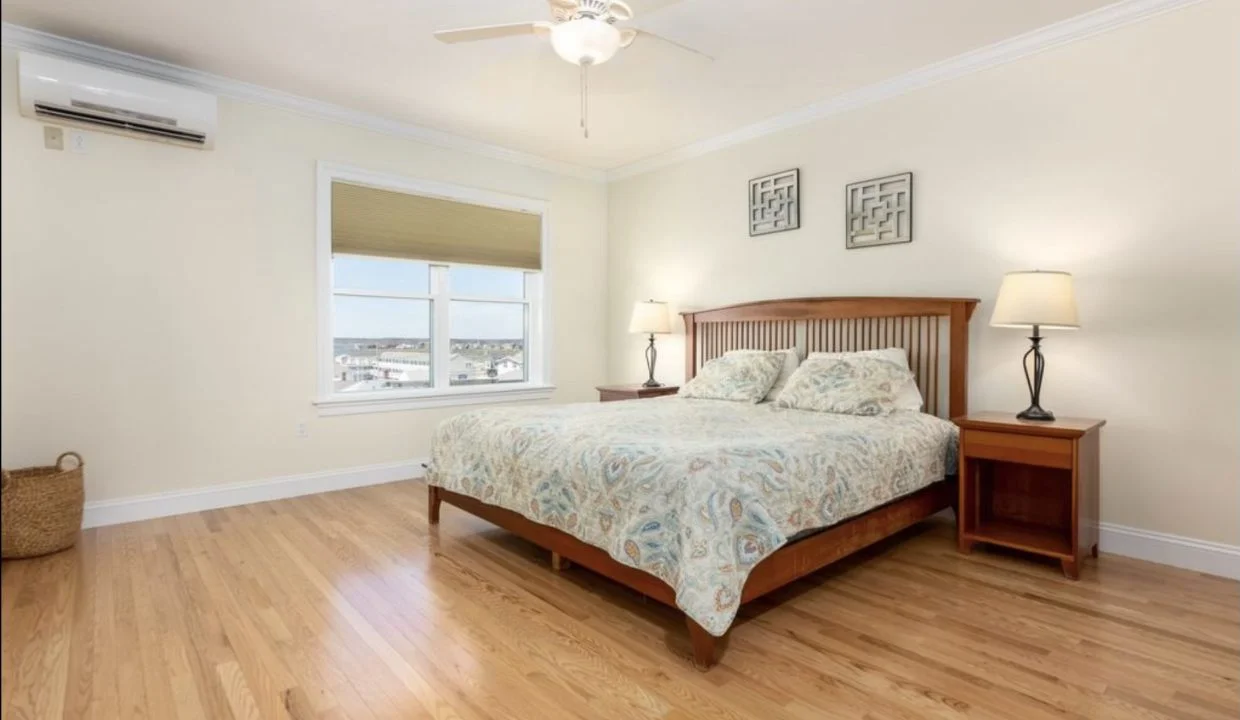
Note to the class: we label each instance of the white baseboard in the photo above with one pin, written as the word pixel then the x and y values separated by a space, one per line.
pixel 145 507
pixel 1191 554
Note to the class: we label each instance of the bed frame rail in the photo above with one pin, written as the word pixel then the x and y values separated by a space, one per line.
pixel 785 565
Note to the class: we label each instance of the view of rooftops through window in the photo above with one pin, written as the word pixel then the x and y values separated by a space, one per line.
pixel 383 337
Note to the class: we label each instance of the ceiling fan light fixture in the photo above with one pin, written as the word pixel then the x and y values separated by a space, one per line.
pixel 585 41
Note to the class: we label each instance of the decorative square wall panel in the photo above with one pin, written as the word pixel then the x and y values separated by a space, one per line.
pixel 775 203
pixel 879 211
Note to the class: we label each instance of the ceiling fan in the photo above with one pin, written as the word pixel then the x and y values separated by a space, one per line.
pixel 583 32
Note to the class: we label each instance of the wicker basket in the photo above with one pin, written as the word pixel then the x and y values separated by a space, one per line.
pixel 41 508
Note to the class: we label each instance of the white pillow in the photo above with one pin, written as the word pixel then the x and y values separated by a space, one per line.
pixel 908 397
pixel 792 358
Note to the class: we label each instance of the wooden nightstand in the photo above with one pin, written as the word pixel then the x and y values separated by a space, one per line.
pixel 607 393
pixel 1031 486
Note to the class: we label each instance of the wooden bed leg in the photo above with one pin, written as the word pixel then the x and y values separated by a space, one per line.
pixel 433 501
pixel 703 645
pixel 559 562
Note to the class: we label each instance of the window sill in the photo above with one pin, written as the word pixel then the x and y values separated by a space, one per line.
pixel 395 402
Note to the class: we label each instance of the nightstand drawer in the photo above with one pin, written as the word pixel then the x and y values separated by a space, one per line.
pixel 614 395
pixel 1010 447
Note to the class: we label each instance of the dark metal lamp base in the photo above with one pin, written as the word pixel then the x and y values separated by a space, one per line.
pixel 651 356
pixel 1035 412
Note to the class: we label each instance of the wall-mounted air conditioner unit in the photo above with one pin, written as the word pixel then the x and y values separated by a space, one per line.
pixel 69 93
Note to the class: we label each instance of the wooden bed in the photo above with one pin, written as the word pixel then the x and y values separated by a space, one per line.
pixel 934 331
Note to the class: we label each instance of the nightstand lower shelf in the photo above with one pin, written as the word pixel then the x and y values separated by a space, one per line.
pixel 1023 536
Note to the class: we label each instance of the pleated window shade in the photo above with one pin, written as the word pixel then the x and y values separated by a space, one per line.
pixel 385 223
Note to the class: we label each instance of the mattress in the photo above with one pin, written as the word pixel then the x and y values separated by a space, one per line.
pixel 694 492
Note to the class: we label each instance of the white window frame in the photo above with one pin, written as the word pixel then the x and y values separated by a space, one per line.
pixel 537 385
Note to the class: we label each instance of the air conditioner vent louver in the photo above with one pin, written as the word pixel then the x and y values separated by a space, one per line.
pixel 120 123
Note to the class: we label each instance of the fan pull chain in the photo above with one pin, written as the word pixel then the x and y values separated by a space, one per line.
pixel 585 99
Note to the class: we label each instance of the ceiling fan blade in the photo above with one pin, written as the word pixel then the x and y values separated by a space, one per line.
pixel 490 32
pixel 620 11
pixel 628 35
pixel 563 10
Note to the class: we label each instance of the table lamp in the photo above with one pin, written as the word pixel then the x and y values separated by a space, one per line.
pixel 1035 299
pixel 650 317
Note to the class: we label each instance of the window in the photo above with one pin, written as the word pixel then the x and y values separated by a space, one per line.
pixel 429 294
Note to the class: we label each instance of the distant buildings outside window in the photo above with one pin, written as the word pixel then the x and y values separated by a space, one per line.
pixel 388 337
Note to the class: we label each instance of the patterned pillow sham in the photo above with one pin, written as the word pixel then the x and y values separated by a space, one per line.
pixel 792 358
pixel 845 385
pixel 741 377
pixel 909 395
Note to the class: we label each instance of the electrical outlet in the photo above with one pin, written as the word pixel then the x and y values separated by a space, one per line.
pixel 302 431
pixel 53 138
pixel 77 142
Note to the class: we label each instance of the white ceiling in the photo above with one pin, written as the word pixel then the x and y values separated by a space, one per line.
pixel 378 56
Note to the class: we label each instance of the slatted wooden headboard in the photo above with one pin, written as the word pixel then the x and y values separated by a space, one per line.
pixel 934 332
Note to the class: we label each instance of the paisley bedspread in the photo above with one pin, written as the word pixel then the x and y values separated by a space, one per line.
pixel 695 492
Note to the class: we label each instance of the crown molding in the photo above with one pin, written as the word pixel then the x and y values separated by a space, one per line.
pixel 22 38
pixel 1092 23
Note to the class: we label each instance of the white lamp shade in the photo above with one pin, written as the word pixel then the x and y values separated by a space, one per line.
pixel 585 41
pixel 1036 297
pixel 650 317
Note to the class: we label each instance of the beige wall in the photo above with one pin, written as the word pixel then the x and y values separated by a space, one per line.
pixel 158 302
pixel 1116 158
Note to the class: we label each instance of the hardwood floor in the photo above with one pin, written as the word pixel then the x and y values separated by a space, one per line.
pixel 346 606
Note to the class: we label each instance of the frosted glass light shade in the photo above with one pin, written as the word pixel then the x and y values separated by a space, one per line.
pixel 1036 297
pixel 650 317
pixel 585 41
